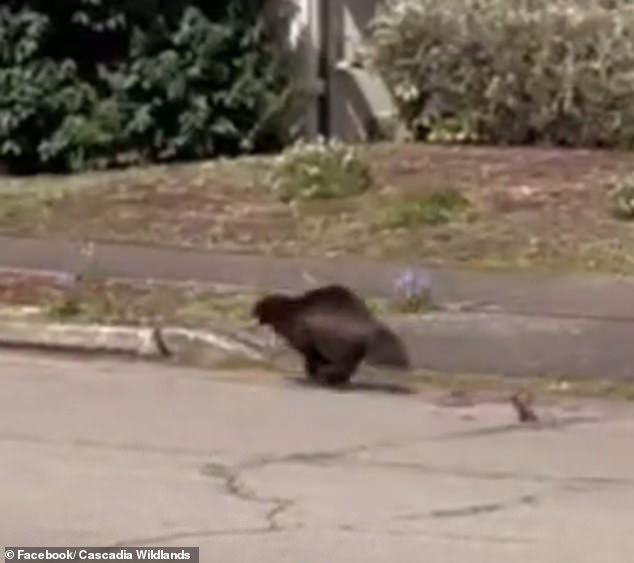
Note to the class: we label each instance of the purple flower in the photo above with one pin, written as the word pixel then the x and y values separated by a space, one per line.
pixel 411 284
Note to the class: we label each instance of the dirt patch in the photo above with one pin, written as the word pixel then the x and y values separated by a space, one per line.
pixel 528 208
pixel 62 298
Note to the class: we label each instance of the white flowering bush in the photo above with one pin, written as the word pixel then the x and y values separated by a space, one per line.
pixel 621 196
pixel 509 71
pixel 323 169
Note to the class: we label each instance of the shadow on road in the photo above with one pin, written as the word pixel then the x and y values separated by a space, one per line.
pixel 355 386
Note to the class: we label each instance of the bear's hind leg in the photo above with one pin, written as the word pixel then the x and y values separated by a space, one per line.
pixel 339 373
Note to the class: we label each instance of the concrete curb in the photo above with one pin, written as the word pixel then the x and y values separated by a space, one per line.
pixel 444 342
pixel 172 342
pixel 519 345
pixel 79 337
pixel 206 347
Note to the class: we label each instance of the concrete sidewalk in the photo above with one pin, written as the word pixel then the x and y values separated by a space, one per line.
pixel 515 324
pixel 575 295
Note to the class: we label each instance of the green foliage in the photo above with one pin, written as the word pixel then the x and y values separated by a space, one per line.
pixel 413 304
pixel 320 170
pixel 206 92
pixel 621 197
pixel 40 99
pixel 87 83
pixel 436 207
pixel 510 71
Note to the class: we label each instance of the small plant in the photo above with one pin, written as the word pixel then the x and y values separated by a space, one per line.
pixel 320 170
pixel 412 292
pixel 438 207
pixel 67 304
pixel 621 197
pixel 74 301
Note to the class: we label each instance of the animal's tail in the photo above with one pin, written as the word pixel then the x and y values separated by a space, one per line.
pixel 387 349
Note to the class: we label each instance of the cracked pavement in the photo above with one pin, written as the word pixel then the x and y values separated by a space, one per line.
pixel 108 452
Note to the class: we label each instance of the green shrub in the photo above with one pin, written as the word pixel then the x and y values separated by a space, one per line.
pixel 42 102
pixel 320 170
pixel 510 71
pixel 621 197
pixel 208 91
pixel 437 207
pixel 93 82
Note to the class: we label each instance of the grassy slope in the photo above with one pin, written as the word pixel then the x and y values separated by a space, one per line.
pixel 528 208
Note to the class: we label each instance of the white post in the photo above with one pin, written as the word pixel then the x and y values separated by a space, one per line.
pixel 304 38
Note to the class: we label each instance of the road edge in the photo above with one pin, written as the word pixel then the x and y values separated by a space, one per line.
pixel 179 343
pixel 444 342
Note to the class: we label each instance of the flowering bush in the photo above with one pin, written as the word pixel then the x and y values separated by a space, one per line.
pixel 621 197
pixel 320 170
pixel 509 71
pixel 413 292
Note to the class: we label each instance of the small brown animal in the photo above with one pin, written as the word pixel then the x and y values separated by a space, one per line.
pixel 522 402
pixel 334 331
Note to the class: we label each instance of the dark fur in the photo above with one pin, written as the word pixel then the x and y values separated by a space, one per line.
pixel 334 331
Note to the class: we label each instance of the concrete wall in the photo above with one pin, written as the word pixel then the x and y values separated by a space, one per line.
pixel 349 103
pixel 359 99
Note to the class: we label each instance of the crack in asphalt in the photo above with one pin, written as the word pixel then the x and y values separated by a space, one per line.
pixel 475 509
pixel 188 535
pixel 428 469
pixel 344 529
pixel 123 447
pixel 418 533
pixel 345 456
pixel 338 454
pixel 549 424
pixel 235 487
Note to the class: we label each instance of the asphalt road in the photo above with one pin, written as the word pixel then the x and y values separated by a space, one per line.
pixel 104 452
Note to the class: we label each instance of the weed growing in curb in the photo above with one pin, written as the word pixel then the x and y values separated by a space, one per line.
pixel 73 302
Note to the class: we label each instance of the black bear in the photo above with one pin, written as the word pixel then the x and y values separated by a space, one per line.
pixel 334 331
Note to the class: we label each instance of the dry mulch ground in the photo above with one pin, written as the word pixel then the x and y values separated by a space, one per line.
pixel 525 208
pixel 61 299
